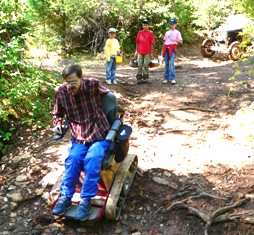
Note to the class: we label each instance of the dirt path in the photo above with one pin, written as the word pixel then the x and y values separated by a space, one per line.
pixel 187 139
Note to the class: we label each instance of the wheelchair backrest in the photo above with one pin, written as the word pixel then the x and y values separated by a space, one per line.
pixel 109 106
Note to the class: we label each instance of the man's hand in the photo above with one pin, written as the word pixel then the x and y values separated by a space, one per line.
pixel 57 129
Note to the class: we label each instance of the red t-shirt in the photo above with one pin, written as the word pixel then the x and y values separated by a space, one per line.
pixel 145 39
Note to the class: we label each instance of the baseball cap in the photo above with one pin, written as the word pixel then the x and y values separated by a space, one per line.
pixel 173 21
pixel 145 22
pixel 112 30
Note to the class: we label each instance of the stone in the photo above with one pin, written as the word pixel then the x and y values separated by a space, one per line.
pixel 160 180
pixel 22 178
pixel 15 196
pixel 19 158
pixel 166 173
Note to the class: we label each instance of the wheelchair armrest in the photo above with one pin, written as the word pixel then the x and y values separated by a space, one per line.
pixel 113 130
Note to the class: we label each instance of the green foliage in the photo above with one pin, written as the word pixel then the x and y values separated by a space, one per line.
pixel 245 6
pixel 210 14
pixel 25 92
pixel 81 26
pixel 84 25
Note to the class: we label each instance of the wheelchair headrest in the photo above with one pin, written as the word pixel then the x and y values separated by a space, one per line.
pixel 109 106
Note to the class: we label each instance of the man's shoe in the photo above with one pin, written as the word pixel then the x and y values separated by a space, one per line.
pixel 173 81
pixel 140 81
pixel 84 210
pixel 108 82
pixel 62 205
pixel 115 82
pixel 165 81
pixel 145 80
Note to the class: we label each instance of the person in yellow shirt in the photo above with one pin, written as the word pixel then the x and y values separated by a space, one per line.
pixel 112 48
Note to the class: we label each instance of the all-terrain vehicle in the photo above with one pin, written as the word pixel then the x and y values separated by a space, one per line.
pixel 226 38
pixel 117 172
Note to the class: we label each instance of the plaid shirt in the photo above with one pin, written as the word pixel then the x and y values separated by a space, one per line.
pixel 84 110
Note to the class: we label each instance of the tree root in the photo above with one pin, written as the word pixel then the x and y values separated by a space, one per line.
pixel 221 211
pixel 194 108
pixel 202 194
pixel 219 215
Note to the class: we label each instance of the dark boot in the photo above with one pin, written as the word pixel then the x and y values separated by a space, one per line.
pixel 139 78
pixel 145 78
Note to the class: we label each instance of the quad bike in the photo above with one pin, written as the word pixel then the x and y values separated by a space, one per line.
pixel 117 172
pixel 226 38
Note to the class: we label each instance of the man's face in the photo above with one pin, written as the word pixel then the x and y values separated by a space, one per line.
pixel 145 26
pixel 73 82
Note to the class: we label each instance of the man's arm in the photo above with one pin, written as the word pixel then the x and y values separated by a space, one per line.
pixel 58 114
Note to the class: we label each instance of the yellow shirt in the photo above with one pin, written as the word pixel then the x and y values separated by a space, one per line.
pixel 111 48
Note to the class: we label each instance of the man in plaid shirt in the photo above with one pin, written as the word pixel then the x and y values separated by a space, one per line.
pixel 80 100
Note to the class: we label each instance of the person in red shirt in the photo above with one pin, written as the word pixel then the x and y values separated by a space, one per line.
pixel 144 51
pixel 79 100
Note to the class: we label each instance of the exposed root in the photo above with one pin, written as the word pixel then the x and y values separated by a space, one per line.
pixel 194 108
pixel 219 215
pixel 202 194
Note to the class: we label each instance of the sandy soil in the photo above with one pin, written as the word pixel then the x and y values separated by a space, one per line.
pixel 189 135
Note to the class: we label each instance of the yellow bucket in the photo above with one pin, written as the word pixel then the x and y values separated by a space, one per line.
pixel 119 59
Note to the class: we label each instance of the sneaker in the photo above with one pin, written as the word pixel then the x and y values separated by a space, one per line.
pixel 165 81
pixel 84 210
pixel 62 205
pixel 140 81
pixel 108 82
pixel 114 82
pixel 173 81
pixel 145 80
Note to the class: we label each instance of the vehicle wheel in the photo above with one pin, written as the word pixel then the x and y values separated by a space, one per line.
pixel 234 51
pixel 206 48
pixel 126 186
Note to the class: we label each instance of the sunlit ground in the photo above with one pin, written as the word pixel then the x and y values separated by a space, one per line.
pixel 193 150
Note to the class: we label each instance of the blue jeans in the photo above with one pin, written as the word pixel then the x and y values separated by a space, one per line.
pixel 170 73
pixel 86 158
pixel 111 69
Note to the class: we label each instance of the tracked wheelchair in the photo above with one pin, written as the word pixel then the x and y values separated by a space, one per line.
pixel 117 172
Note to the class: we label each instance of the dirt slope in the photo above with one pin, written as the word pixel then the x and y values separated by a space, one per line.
pixel 190 146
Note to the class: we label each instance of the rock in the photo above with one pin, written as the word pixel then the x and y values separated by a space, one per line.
pixel 4 206
pixel 125 222
pixel 35 169
pixel 118 231
pixel 50 179
pixel 5 233
pixel 166 173
pixel 13 205
pixel 15 196
pixel 81 230
pixel 39 191
pixel 22 178
pixel 173 185
pixel 138 217
pixel 159 180
pixel 19 158
pixel 125 217
pixel 13 215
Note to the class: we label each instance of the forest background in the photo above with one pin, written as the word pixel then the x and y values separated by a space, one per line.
pixel 71 28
